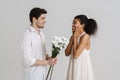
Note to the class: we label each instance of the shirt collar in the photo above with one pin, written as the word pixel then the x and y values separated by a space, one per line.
pixel 32 29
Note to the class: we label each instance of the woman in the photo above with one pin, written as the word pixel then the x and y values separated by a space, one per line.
pixel 80 67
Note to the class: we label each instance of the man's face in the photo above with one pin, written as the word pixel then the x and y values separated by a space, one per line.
pixel 41 21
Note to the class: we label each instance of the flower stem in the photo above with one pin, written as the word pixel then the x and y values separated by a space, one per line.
pixel 48 72
pixel 51 72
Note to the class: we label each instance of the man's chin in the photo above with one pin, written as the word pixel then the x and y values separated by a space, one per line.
pixel 41 27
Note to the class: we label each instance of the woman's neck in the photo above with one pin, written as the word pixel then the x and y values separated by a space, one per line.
pixel 81 31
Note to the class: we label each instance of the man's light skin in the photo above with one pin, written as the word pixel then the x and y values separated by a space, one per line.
pixel 37 24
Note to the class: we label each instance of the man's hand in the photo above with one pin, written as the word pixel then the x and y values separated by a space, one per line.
pixel 51 61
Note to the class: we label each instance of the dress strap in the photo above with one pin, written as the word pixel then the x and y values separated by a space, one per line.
pixel 82 34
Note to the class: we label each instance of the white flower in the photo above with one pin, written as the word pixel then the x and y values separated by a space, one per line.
pixel 65 41
pixel 59 42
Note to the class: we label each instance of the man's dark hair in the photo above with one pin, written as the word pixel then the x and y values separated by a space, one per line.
pixel 36 12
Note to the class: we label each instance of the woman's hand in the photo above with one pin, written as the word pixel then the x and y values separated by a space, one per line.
pixel 76 34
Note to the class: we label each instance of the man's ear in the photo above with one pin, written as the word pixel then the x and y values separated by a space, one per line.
pixel 34 19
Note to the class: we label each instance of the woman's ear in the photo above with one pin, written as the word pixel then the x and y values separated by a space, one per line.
pixel 83 25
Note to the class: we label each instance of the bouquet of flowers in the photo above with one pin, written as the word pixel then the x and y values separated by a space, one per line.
pixel 58 43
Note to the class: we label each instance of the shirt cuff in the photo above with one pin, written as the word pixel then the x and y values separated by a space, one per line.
pixel 32 61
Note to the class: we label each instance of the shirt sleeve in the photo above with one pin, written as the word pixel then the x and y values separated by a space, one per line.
pixel 45 50
pixel 27 50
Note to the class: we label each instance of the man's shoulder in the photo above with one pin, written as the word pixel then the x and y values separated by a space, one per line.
pixel 27 32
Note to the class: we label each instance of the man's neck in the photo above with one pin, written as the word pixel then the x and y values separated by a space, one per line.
pixel 36 28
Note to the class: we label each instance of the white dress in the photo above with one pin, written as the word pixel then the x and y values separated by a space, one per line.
pixel 80 68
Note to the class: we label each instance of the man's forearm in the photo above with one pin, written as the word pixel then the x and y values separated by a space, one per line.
pixel 40 63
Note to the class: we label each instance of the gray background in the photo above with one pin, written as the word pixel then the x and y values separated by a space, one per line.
pixel 105 50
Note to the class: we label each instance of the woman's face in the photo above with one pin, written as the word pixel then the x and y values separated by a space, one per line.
pixel 76 25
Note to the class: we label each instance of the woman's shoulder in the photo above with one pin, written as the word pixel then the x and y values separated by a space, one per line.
pixel 86 36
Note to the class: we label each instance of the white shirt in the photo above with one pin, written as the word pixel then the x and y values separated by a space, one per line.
pixel 34 48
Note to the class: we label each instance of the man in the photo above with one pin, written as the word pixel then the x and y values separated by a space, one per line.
pixel 35 55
